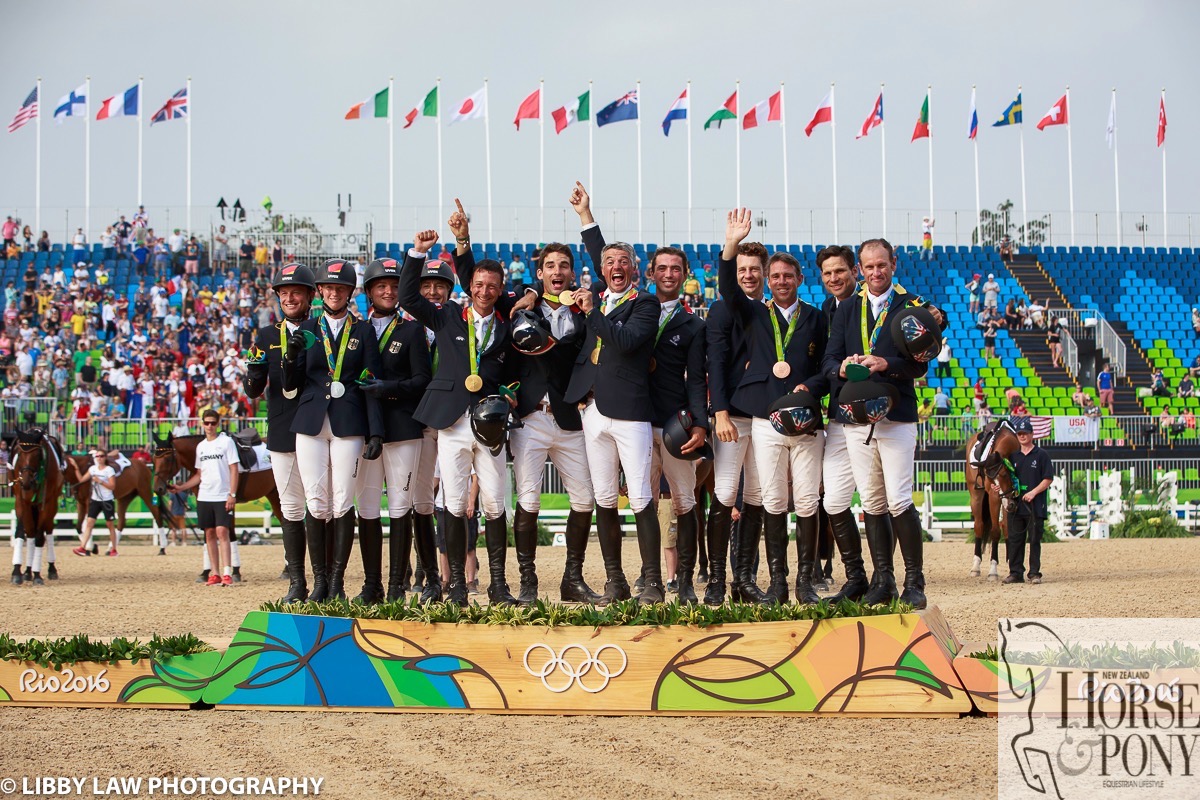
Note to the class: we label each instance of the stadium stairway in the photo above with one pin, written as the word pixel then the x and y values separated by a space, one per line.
pixel 1037 284
pixel 1137 371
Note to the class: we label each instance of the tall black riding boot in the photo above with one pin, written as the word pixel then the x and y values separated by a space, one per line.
pixel 775 533
pixel 370 546
pixel 343 543
pixel 650 545
pixel 703 565
pixel 845 535
pixel 745 589
pixel 879 541
pixel 400 534
pixel 908 531
pixel 456 555
pixel 427 554
pixel 806 552
pixel 293 554
pixel 608 531
pixel 525 539
pixel 315 530
pixel 573 587
pixel 718 546
pixel 686 544
pixel 495 533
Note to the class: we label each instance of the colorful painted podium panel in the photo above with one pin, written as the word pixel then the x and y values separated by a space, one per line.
pixel 175 682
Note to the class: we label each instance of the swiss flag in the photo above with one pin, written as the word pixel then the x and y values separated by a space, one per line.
pixel 1057 115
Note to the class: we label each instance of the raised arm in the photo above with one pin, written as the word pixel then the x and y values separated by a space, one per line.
pixel 422 310
pixel 254 382
pixel 593 239
pixel 737 228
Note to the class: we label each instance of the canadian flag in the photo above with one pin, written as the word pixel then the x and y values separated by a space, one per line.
pixel 824 113
pixel 1057 115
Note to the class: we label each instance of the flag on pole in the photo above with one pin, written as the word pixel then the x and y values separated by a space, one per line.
pixel 29 110
pixel 621 109
pixel 766 111
pixel 580 110
pixel 921 131
pixel 875 119
pixel 678 110
pixel 1041 426
pixel 71 105
pixel 175 108
pixel 1112 122
pixel 429 108
pixel 123 105
pixel 472 107
pixel 371 108
pixel 1011 115
pixel 727 111
pixel 530 108
pixel 824 113
pixel 1057 115
pixel 974 130
pixel 1162 121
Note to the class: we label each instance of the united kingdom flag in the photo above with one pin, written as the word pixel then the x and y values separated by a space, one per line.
pixel 175 108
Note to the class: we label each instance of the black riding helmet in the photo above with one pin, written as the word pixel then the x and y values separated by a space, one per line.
pixel 796 414
pixel 677 430
pixel 917 334
pixel 337 271
pixel 294 275
pixel 380 268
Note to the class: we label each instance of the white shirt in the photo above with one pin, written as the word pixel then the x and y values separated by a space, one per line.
pixel 335 325
pixel 560 319
pixel 213 459
pixel 787 312
pixel 482 326
pixel 877 302
pixel 611 300
pixel 381 323
pixel 668 308
pixel 99 492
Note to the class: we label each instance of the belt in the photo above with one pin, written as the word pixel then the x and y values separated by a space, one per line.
pixel 543 406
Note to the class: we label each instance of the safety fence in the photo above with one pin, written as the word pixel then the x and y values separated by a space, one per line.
pixel 1074 431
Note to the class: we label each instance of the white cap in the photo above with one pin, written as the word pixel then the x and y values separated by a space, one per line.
pixel 991 277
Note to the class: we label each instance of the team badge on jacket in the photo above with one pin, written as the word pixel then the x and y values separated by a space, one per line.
pixel 394 347
pixel 352 344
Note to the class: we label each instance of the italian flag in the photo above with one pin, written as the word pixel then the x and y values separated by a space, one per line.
pixel 580 110
pixel 770 110
pixel 727 111
pixel 429 108
pixel 367 109
pixel 922 129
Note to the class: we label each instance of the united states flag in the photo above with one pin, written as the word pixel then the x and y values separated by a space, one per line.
pixel 27 111
pixel 175 108
pixel 1041 426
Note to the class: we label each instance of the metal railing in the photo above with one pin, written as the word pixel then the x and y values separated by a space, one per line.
pixel 1112 347
pixel 1111 431
pixel 1070 352
pixel 1090 324
pixel 21 412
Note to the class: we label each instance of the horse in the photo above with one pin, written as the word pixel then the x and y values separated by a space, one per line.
pixel 993 487
pixel 38 484
pixel 134 481
pixel 173 453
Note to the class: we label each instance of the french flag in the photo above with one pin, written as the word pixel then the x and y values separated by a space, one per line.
pixel 121 105
pixel 678 110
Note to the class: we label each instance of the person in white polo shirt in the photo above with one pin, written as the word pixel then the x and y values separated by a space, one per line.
pixel 217 478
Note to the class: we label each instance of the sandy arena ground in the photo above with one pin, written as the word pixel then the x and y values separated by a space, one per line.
pixel 424 755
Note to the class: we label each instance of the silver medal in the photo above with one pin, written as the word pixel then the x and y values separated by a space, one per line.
pixel 337 389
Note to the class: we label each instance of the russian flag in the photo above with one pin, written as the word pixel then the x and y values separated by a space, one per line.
pixel 122 105
pixel 974 117
pixel 678 110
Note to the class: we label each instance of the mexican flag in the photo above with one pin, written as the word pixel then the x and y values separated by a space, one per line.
pixel 922 129
pixel 727 111
pixel 429 108
pixel 370 108
pixel 580 110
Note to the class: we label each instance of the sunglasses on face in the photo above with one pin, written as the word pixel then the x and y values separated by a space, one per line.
pixel 208 422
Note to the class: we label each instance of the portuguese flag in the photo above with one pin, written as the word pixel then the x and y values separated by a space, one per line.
pixel 429 108
pixel 727 111
pixel 922 129
pixel 378 107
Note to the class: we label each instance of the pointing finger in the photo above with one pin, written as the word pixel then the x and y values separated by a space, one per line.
pixel 458 203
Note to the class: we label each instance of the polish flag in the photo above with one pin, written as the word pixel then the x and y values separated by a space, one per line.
pixel 1057 115
pixel 824 113
pixel 473 107
pixel 770 110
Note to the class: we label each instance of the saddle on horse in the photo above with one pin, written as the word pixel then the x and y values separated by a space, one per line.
pixel 252 452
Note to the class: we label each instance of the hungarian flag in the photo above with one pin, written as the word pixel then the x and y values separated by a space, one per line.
pixel 678 110
pixel 921 131
pixel 727 111
pixel 875 119
pixel 1162 121
pixel 824 113
pixel 428 109
pixel 122 105
pixel 580 110
pixel 530 108
pixel 367 109
pixel 770 110
pixel 472 107
pixel 1057 115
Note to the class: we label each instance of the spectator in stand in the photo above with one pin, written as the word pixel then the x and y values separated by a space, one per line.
pixel 245 257
pixel 162 260
pixel 924 412
pixel 991 292
pixel 79 246
pixel 141 259
pixel 124 232
pixel 1006 249
pixel 220 255
pixel 1195 368
pixel 1158 383
pixel 1185 388
pixel 191 257
pixel 176 242
pixel 1196 321
pixel 108 241
pixel 692 292
pixel 43 242
pixel 1037 313
pixel 516 269
pixel 1168 425
pixel 277 255
pixel 261 254
pixel 1090 409
pixel 1079 396
pixel 10 231
pixel 989 338
pixel 980 396
pixel 1105 385
pixel 141 219
pixel 927 224
pixel 1013 396
pixel 983 416
pixel 1012 320
pixel 943 360
pixel 1189 419
pixel 27 239
pixel 1054 340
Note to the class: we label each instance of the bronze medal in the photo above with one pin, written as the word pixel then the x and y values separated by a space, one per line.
pixel 595 356
pixel 781 369
pixel 473 383
pixel 653 364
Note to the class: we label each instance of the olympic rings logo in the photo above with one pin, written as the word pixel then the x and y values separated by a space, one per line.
pixel 559 662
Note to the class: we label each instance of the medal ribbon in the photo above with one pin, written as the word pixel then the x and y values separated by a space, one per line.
pixel 487 337
pixel 335 368
pixel 868 343
pixel 781 341
pixel 628 296
pixel 663 325
pixel 387 332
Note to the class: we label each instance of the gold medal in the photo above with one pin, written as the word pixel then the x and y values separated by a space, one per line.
pixel 653 364
pixel 596 356
pixel 567 298
pixel 473 383
pixel 781 369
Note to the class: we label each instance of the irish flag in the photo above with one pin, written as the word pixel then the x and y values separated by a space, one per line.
pixel 473 106
pixel 727 111
pixel 770 110
pixel 921 131
pixel 580 110
pixel 378 107
pixel 429 108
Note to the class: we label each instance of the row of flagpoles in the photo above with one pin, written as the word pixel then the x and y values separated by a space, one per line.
pixel 77 103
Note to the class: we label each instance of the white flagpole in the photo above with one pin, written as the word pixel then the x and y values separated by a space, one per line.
pixel 1116 169
pixel 737 142
pixel 487 154
pixel 188 120
pixel 591 126
pixel 87 157
pixel 689 159
pixel 787 228
pixel 1024 203
pixel 639 160
pixel 439 141
pixel 1163 103
pixel 391 159
pixel 37 161
pixel 1070 168
pixel 975 147
pixel 883 166
pixel 141 98
pixel 541 161
pixel 833 146
pixel 929 122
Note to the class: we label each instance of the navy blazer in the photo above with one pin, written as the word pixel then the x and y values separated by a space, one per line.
pixel 405 372
pixel 725 353
pixel 353 414
pixel 677 381
pixel 268 377
pixel 759 387
pixel 447 399
pixel 845 339
pixel 830 307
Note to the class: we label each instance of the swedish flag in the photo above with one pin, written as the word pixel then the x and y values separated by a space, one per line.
pixel 1011 115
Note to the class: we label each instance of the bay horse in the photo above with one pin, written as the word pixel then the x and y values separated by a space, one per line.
pixel 993 487
pixel 36 490
pixel 173 453
pixel 134 481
